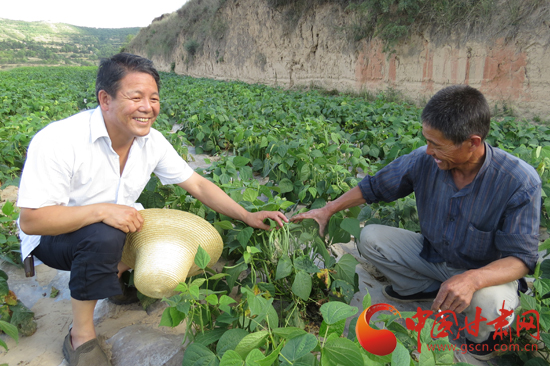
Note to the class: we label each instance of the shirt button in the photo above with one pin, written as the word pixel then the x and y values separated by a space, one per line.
pixel 452 219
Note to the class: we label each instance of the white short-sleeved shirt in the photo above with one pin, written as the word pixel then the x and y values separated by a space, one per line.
pixel 72 163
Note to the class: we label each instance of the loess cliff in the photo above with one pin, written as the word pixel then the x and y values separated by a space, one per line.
pixel 257 41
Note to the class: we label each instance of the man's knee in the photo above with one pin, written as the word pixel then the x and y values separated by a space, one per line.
pixel 495 300
pixel 371 236
pixel 102 238
pixel 95 266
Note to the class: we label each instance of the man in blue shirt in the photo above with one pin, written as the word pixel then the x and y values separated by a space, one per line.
pixel 479 213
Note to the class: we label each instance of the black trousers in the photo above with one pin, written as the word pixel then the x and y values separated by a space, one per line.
pixel 92 254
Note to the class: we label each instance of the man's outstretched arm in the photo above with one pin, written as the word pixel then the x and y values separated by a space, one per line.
pixel 212 196
pixel 351 198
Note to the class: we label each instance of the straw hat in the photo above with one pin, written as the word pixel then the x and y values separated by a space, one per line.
pixel 162 254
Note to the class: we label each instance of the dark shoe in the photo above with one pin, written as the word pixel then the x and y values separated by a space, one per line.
pixel 87 354
pixel 128 295
pixel 483 351
pixel 420 296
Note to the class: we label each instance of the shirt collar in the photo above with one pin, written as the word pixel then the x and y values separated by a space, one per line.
pixel 141 140
pixel 488 157
pixel 97 125
pixel 98 129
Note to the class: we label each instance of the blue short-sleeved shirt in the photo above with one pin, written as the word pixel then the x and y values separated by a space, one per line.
pixel 497 215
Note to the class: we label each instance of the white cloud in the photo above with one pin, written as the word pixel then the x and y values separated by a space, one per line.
pixel 98 13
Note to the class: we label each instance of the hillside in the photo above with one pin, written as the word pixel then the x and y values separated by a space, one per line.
pixel 44 43
pixel 414 47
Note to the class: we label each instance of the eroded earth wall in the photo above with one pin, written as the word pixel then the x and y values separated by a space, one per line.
pixel 267 45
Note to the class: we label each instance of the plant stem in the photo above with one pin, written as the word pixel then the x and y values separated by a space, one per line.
pixel 325 337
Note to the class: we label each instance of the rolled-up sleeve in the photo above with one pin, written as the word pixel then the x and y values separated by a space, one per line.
pixel 519 234
pixel 392 182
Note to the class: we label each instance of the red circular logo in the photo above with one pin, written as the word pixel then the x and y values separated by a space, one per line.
pixel 380 342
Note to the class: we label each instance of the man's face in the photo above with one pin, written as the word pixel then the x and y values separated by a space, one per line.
pixel 134 109
pixel 446 154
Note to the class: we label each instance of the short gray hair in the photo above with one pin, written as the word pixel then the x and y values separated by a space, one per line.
pixel 458 112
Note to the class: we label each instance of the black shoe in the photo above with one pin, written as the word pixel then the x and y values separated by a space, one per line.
pixel 485 350
pixel 420 296
pixel 128 296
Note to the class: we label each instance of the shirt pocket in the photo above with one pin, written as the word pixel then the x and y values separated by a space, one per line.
pixel 478 246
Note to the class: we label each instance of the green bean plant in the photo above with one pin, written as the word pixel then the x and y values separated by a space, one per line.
pixel 266 344
pixel 8 299
pixel 15 317
pixel 10 250
pixel 200 306
pixel 533 319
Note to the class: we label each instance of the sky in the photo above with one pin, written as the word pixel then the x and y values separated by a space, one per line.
pixel 95 14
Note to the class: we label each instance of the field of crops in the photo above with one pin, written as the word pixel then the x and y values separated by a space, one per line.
pixel 309 145
pixel 310 148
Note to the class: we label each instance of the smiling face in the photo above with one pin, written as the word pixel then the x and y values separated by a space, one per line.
pixel 133 110
pixel 446 154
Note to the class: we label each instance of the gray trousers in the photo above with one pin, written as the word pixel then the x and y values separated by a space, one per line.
pixel 396 253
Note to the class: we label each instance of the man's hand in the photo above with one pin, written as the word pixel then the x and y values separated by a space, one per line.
pixel 351 198
pixel 456 293
pixel 124 218
pixel 320 215
pixel 256 219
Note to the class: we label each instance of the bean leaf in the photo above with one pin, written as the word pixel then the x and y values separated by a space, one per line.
pixel 202 258
pixel 302 285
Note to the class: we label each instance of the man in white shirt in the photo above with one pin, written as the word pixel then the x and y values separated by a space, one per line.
pixel 80 183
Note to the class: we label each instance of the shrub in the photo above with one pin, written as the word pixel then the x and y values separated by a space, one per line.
pixel 191 46
pixel 394 20
pixel 195 20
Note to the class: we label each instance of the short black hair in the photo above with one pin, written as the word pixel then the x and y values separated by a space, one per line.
pixel 458 111
pixel 112 70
